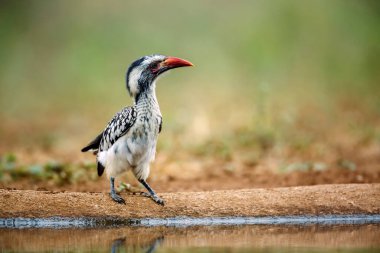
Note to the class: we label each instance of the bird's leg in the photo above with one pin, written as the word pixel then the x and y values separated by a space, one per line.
pixel 116 244
pixel 153 195
pixel 113 193
pixel 154 244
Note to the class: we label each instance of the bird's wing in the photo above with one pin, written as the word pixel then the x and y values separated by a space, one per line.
pixel 93 145
pixel 117 127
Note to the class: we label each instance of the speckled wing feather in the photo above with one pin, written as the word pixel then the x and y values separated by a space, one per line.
pixel 117 127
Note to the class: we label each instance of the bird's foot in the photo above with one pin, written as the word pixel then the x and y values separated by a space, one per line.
pixel 132 190
pixel 143 194
pixel 155 198
pixel 158 200
pixel 117 198
pixel 153 195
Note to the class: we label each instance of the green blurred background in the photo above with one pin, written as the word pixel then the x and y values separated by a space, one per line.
pixel 267 73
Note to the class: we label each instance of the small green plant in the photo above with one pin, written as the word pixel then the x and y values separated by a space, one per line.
pixel 346 164
pixel 53 171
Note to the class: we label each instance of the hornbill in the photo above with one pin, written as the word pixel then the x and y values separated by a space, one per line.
pixel 129 140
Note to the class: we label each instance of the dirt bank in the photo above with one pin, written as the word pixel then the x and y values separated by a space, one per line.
pixel 309 200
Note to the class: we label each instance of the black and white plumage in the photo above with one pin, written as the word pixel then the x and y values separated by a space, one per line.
pixel 115 129
pixel 129 140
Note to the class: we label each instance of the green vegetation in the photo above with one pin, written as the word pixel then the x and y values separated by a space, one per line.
pixel 54 172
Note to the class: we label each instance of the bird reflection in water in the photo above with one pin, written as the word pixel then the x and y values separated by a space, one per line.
pixel 119 243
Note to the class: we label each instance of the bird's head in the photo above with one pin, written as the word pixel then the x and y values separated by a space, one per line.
pixel 143 72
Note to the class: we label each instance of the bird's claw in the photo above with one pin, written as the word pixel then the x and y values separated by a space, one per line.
pixel 117 198
pixel 158 200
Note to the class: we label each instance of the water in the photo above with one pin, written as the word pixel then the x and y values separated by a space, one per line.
pixel 92 222
pixel 336 235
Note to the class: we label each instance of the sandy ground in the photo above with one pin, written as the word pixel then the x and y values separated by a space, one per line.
pixel 308 200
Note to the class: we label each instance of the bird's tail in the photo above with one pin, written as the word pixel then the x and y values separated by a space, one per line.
pixel 100 169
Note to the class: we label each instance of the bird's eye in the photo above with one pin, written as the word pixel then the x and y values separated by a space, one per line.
pixel 155 66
